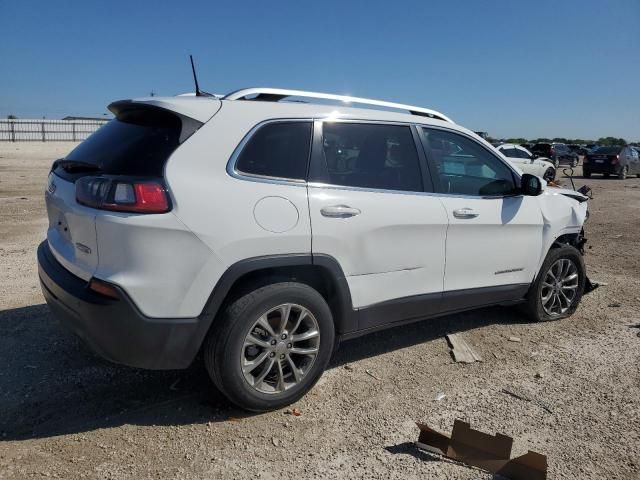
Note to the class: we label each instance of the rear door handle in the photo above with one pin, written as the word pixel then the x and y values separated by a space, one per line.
pixel 465 213
pixel 339 211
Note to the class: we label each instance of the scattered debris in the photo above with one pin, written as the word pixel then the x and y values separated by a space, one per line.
pixel 614 305
pixel 440 396
pixel 616 236
pixel 275 441
pixel 515 339
pixel 599 283
pixel 527 398
pixel 499 357
pixel 488 452
pixel 368 372
pixel 538 375
pixel 348 367
pixel 461 351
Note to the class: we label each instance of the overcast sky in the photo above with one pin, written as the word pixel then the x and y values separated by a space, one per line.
pixel 513 68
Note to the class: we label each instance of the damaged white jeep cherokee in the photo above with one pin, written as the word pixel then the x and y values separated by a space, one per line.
pixel 260 231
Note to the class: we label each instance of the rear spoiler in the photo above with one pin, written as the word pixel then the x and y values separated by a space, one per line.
pixel 196 108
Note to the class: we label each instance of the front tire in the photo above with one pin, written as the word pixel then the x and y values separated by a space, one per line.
pixel 559 286
pixel 549 175
pixel 270 346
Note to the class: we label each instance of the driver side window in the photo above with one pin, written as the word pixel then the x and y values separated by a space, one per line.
pixel 462 166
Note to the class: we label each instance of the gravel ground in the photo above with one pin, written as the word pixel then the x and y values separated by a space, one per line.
pixel 65 413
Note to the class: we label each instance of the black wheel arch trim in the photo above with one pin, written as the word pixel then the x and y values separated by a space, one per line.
pixel 346 319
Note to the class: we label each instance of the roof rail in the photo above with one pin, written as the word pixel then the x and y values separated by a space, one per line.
pixel 277 94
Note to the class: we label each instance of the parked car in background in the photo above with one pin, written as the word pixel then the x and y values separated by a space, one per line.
pixel 527 145
pixel 615 160
pixel 558 153
pixel 579 149
pixel 528 162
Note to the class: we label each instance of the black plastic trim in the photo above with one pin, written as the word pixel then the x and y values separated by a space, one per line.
pixel 115 329
pixel 422 307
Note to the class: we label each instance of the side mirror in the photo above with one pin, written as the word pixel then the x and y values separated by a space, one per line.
pixel 534 156
pixel 530 185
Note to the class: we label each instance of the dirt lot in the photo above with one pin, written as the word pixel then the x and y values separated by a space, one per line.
pixel 65 413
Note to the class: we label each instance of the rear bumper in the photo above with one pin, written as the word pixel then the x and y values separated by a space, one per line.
pixel 116 329
pixel 602 168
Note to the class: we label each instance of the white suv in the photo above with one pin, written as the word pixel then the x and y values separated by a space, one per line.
pixel 527 162
pixel 260 231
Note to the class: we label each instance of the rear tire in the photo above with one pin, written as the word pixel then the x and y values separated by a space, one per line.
pixel 586 173
pixel 623 173
pixel 550 299
pixel 270 346
pixel 605 175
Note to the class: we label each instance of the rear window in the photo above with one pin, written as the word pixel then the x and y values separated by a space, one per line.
pixel 542 147
pixel 608 150
pixel 138 142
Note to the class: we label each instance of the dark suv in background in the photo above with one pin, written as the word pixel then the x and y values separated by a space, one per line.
pixel 558 153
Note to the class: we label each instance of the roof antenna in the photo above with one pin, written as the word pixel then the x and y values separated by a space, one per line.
pixel 195 77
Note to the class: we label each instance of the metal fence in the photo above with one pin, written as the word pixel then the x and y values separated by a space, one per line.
pixel 20 130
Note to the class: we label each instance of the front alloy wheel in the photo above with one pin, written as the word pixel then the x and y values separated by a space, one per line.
pixel 557 290
pixel 560 287
pixel 280 348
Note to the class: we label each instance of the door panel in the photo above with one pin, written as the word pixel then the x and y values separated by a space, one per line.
pixel 369 211
pixel 494 236
pixel 393 248
pixel 500 245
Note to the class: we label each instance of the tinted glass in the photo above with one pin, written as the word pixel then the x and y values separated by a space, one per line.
pixel 465 167
pixel 608 150
pixel 508 152
pixel 279 149
pixel 138 142
pixel 521 154
pixel 371 156
pixel 541 147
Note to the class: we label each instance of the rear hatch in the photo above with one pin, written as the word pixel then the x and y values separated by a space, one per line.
pixel 604 156
pixel 136 144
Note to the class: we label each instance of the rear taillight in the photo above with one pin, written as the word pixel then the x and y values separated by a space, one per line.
pixel 123 194
pixel 615 159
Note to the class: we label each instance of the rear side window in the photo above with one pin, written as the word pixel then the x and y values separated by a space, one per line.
pixel 371 156
pixel 137 142
pixel 279 149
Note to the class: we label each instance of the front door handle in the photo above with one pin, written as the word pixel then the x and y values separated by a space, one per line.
pixel 339 211
pixel 465 213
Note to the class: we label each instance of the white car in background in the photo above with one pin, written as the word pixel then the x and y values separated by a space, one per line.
pixel 528 162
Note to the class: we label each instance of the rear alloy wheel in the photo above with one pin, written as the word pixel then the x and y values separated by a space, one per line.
pixel 549 175
pixel 623 173
pixel 559 286
pixel 280 348
pixel 270 346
